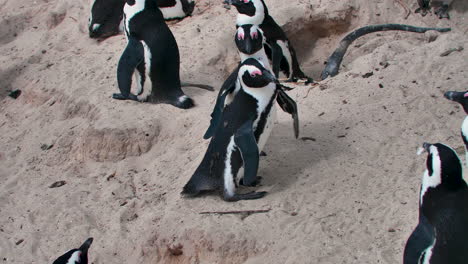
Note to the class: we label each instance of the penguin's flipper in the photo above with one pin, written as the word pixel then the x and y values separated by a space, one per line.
pixel 228 87
pixel 289 106
pixel 276 57
pixel 131 57
pixel 422 237
pixel 247 144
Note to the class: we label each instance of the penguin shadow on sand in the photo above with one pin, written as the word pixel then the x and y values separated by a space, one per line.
pixel 287 158
pixel 11 27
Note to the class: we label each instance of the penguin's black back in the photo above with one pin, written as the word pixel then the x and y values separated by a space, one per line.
pixel 422 237
pixel 446 211
pixel 150 27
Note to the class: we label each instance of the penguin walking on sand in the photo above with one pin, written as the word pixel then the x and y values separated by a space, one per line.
pixel 443 200
pixel 249 40
pixel 441 7
pixel 153 55
pixel 239 137
pixel 461 98
pixel 278 47
pixel 106 16
pixel 77 255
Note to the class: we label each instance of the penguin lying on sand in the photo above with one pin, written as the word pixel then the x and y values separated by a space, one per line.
pixel 106 15
pixel 462 98
pixel 278 46
pixel 239 137
pixel 443 200
pixel 441 7
pixel 77 255
pixel 249 40
pixel 153 55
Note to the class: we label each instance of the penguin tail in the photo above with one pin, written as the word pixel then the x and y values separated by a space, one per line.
pixel 200 182
pixel 190 189
pixel 183 102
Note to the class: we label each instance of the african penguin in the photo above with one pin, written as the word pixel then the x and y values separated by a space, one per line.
pixel 106 17
pixel 239 137
pixel 152 54
pixel 462 98
pixel 443 200
pixel 278 46
pixel 440 7
pixel 250 41
pixel 77 255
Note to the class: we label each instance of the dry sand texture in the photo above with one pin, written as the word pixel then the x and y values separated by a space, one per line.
pixel 348 194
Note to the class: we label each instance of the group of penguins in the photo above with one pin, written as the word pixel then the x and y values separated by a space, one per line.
pixel 245 112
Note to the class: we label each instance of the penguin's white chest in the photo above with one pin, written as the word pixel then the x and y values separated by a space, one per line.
pixel 270 122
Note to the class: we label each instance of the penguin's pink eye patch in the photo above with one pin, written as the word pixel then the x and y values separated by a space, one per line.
pixel 254 34
pixel 255 73
pixel 240 36
pixel 246 1
pixel 465 95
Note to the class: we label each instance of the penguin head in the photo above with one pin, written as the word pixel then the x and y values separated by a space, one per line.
pixel 443 169
pixel 249 8
pixel 249 39
pixel 77 255
pixel 460 97
pixel 105 18
pixel 253 74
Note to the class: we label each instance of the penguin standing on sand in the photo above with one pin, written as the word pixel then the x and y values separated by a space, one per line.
pixel 443 200
pixel 152 54
pixel 441 7
pixel 278 46
pixel 77 255
pixel 245 125
pixel 462 98
pixel 106 16
pixel 249 40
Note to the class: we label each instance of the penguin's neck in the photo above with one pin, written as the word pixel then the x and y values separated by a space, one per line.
pixel 259 55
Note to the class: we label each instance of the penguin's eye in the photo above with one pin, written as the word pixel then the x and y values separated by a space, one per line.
pixel 254 35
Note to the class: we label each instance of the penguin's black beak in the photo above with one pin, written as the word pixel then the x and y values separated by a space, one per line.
pixel 248 47
pixel 427 147
pixel 269 76
pixel 86 245
pixel 455 96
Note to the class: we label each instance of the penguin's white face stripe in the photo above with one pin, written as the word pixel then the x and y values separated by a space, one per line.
pixel 229 185
pixel 75 258
pixel 257 19
pixel 240 33
pixel 286 53
pixel 431 181
pixel 131 10
pixel 173 11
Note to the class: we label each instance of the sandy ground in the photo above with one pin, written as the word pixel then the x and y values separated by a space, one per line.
pixel 348 194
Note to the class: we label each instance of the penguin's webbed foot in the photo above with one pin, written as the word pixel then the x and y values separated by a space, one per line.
pixel 245 196
pixel 119 96
pixel 442 12
pixel 256 182
pixel 422 11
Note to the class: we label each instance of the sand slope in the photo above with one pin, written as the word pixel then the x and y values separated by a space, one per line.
pixel 349 194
